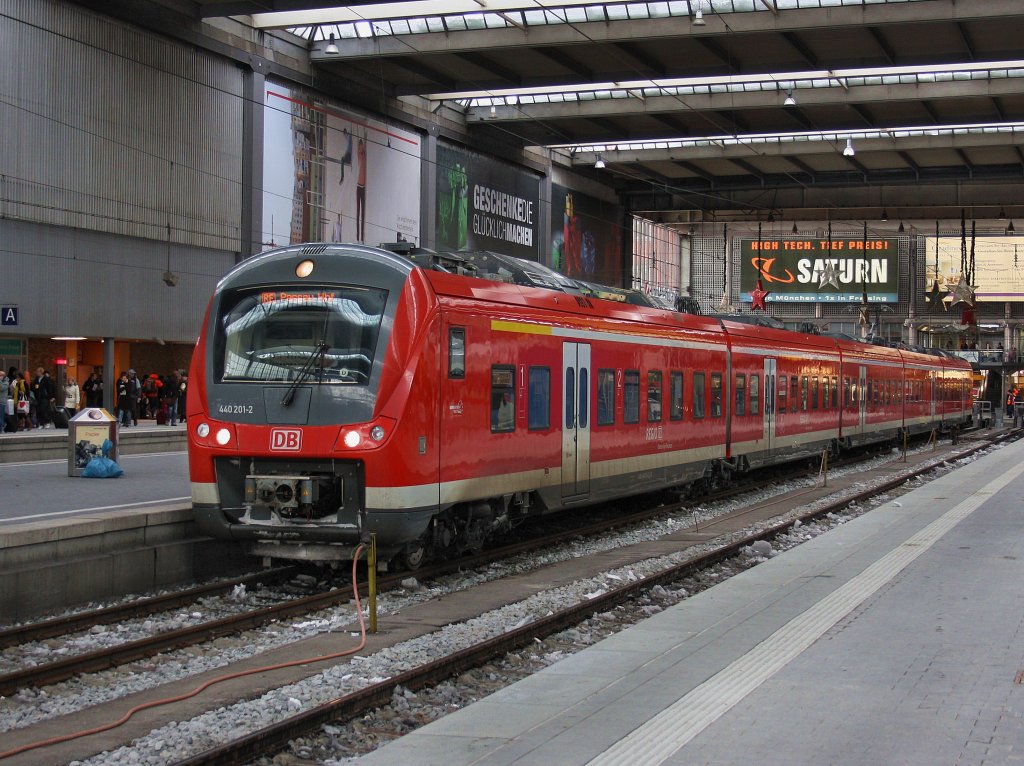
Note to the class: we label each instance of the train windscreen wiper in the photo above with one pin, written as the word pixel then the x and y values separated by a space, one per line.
pixel 318 352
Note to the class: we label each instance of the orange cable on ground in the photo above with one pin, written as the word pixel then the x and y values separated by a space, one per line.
pixel 207 684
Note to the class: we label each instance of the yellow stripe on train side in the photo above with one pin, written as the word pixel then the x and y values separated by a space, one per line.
pixel 502 325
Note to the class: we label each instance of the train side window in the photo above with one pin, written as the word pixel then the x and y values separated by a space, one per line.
pixel 824 392
pixel 538 398
pixel 741 394
pixel 716 394
pixel 654 396
pixel 803 393
pixel 631 397
pixel 872 392
pixel 814 392
pixel 675 392
pixel 456 352
pixel 835 392
pixel 503 398
pixel 847 399
pixel 783 385
pixel 755 394
pixel 698 395
pixel 584 398
pixel 605 397
pixel 794 392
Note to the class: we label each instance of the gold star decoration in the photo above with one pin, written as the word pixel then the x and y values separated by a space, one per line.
pixel 758 296
pixel 829 276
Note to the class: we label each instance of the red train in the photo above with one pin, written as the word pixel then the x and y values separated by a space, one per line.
pixel 436 399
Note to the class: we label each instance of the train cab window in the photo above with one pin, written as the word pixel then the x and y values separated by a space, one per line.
pixel 698 395
pixel 794 392
pixel 755 394
pixel 456 352
pixel 654 396
pixel 675 394
pixel 835 391
pixel 741 394
pixel 538 398
pixel 814 392
pixel 631 397
pixel 716 394
pixel 605 397
pixel 803 393
pixel 783 392
pixel 503 398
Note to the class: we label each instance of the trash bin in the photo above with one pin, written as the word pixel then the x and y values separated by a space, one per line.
pixel 87 431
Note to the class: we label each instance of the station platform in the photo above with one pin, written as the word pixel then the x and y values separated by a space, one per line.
pixel 897 638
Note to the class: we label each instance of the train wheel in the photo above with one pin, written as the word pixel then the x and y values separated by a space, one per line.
pixel 412 555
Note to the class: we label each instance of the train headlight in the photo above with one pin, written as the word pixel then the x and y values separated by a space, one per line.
pixel 377 433
pixel 304 269
pixel 352 439
pixel 203 430
pixel 223 436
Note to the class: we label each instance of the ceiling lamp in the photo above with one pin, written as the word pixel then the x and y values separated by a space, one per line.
pixel 849 151
pixel 790 101
pixel 494 111
pixel 901 229
pixel 885 214
pixel 600 163
pixel 332 47
pixel 795 230
pixel 698 17
pixel 1010 229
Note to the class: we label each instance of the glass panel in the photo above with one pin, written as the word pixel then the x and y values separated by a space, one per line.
pixel 539 398
pixel 503 398
pixel 605 397
pixel 654 395
pixel 631 397
pixel 716 394
pixel 698 395
pixel 676 394
pixel 327 334
pixel 570 398
pixel 457 352
pixel 584 397
pixel 741 395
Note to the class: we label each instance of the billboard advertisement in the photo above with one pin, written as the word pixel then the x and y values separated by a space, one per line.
pixel 334 175
pixel 814 270
pixel 997 266
pixel 485 205
pixel 586 237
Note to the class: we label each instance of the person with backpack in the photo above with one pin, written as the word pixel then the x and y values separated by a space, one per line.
pixel 151 394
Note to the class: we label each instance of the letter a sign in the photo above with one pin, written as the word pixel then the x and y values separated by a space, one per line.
pixel 9 316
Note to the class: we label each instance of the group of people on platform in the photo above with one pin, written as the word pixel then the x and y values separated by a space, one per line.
pixel 28 401
pixel 153 396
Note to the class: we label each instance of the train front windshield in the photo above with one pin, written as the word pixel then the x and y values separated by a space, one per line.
pixel 316 334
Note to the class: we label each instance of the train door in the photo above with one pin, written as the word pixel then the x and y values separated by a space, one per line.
pixel 770 403
pixel 862 399
pixel 576 419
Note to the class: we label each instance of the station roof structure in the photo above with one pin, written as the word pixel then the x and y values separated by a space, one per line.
pixel 708 109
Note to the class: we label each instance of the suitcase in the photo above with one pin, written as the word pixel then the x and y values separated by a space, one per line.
pixel 11 423
pixel 60 417
pixel 161 416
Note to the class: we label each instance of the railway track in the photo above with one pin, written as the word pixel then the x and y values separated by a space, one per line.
pixel 55 671
pixel 374 696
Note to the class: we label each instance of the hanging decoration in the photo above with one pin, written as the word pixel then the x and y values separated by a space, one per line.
pixel 864 319
pixel 758 294
pixel 963 293
pixel 725 306
pixel 934 296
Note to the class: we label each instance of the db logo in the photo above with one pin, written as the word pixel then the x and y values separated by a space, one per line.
pixel 285 439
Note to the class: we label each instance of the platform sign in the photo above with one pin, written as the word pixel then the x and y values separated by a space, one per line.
pixel 9 316
pixel 817 270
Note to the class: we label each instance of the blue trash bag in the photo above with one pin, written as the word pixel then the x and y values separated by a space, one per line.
pixel 103 467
